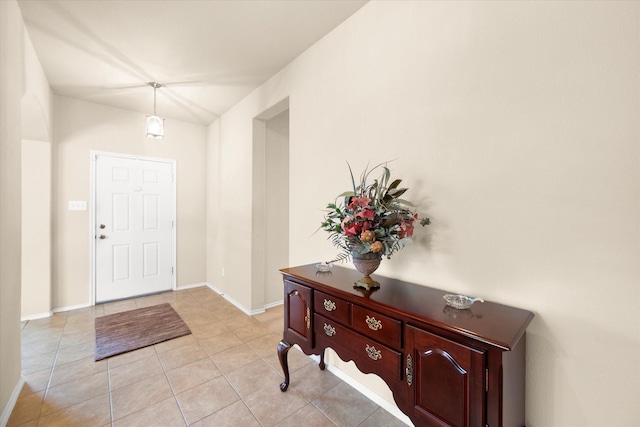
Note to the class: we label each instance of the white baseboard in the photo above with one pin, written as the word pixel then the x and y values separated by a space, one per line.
pixel 215 289
pixel 72 307
pixel 237 304
pixel 193 285
pixel 233 301
pixel 53 311
pixel 383 403
pixel 366 391
pixel 6 412
pixel 273 304
pixel 36 316
pixel 179 288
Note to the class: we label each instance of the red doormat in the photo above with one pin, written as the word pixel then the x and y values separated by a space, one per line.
pixel 130 330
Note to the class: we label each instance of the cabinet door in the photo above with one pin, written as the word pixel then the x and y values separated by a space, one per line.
pixel 446 380
pixel 298 316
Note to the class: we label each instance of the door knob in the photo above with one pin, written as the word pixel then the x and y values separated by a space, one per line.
pixel 102 226
pixel 102 237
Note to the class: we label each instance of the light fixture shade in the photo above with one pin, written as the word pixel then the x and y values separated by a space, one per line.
pixel 155 127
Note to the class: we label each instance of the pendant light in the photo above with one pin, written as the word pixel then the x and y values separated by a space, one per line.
pixel 155 125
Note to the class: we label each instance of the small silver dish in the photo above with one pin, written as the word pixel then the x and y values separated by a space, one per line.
pixel 324 267
pixel 460 302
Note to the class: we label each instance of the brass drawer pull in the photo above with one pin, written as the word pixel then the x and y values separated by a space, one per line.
pixel 329 305
pixel 373 353
pixel 374 323
pixel 307 318
pixel 409 370
pixel 329 330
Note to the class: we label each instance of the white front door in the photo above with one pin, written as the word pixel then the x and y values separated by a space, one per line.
pixel 134 220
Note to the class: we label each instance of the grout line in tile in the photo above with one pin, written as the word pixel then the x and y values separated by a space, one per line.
pixel 110 391
pixel 53 368
pixel 175 397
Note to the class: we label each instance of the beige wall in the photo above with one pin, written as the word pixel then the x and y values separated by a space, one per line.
pixel 231 217
pixel 36 229
pixel 11 91
pixel 515 125
pixel 81 127
pixel 215 254
pixel 37 105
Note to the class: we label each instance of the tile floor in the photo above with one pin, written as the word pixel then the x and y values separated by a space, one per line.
pixel 226 373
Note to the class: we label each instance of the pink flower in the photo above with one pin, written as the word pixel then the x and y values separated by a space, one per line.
pixel 362 202
pixel 366 214
pixel 348 227
pixel 353 227
pixel 406 229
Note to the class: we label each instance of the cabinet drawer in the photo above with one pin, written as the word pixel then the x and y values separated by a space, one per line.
pixel 362 348
pixel 377 326
pixel 332 307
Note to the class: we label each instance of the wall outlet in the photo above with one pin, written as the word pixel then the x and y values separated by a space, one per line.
pixel 77 205
pixel 222 271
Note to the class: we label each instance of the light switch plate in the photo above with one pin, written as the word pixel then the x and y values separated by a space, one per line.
pixel 77 205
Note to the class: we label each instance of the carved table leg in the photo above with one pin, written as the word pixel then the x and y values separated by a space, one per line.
pixel 322 365
pixel 283 350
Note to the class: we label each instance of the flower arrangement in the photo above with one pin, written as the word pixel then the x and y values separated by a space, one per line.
pixel 373 220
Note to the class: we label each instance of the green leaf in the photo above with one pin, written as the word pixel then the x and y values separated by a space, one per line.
pixel 397 192
pixel 394 184
pixel 386 175
pixel 353 182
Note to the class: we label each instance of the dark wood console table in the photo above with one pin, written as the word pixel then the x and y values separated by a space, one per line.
pixel 445 367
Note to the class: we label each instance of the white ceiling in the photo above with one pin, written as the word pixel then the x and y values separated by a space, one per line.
pixel 209 54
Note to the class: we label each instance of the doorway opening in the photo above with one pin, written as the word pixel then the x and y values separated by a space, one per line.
pixel 270 218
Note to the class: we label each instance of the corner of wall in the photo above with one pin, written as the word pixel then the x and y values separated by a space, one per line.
pixel 6 412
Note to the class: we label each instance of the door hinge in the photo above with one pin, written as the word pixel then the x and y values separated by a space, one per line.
pixel 172 271
pixel 486 380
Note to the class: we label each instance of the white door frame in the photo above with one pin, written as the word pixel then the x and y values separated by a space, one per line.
pixel 92 221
